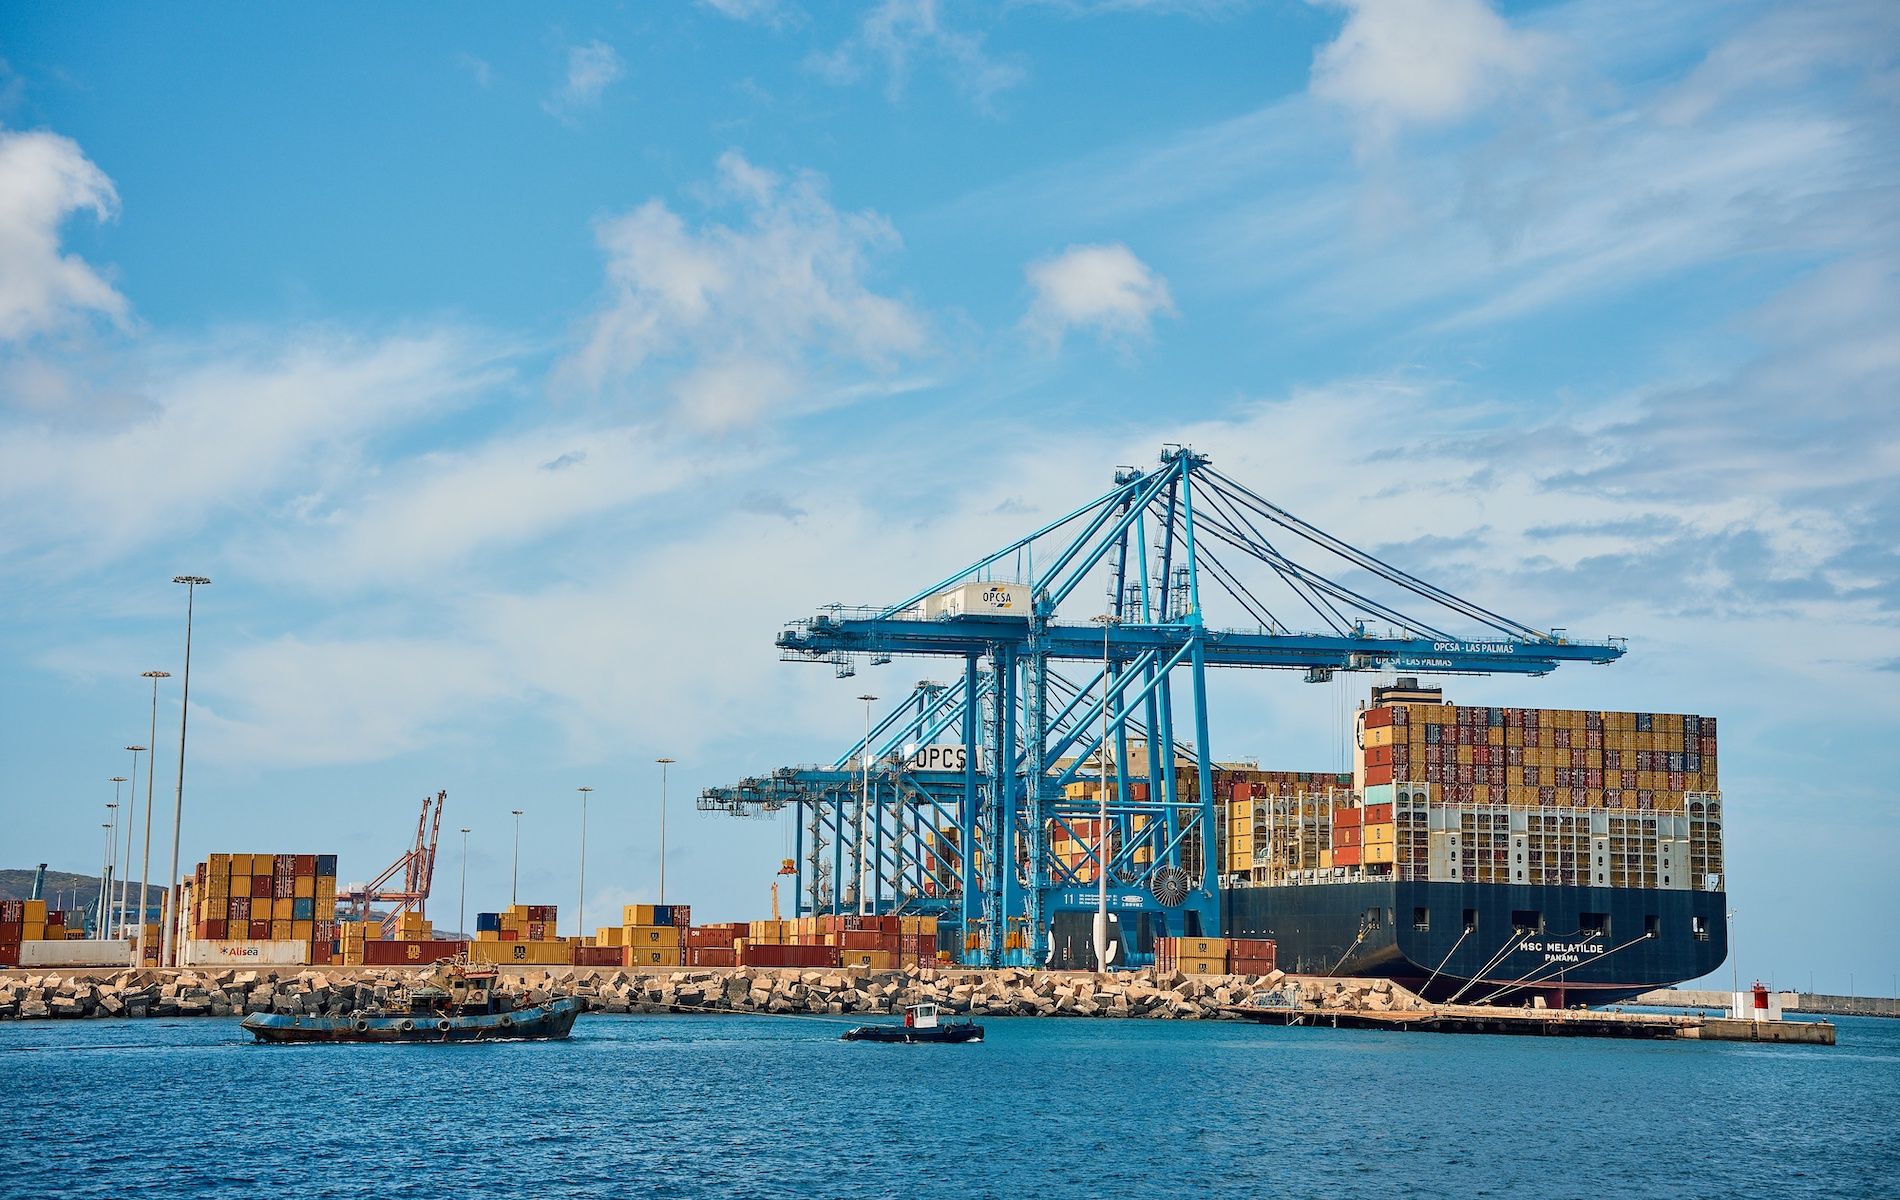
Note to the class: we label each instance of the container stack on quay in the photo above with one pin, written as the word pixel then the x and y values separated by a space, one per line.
pixel 263 908
pixel 24 921
pixel 413 942
pixel 878 943
pixel 523 933
pixel 1215 956
pixel 652 935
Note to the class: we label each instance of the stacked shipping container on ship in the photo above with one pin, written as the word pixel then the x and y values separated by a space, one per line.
pixel 1495 853
pixel 263 908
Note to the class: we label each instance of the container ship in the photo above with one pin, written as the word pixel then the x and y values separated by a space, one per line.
pixel 1488 855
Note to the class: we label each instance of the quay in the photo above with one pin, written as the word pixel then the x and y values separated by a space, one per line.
pixel 1541 1022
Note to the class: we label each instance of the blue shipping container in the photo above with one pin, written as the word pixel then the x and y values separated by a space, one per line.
pixel 326 864
pixel 489 922
pixel 303 909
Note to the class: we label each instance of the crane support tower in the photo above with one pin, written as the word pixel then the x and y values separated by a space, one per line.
pixel 971 782
pixel 416 866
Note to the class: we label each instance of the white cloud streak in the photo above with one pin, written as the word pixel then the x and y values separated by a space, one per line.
pixel 44 179
pixel 898 33
pixel 591 69
pixel 1101 288
pixel 1420 62
pixel 736 323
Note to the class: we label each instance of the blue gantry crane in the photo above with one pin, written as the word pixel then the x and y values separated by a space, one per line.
pixel 950 803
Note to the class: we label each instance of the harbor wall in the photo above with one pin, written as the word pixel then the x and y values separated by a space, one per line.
pixel 1807 1002
pixel 26 995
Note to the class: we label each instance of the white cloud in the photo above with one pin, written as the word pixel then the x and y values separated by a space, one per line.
pixel 224 427
pixel 766 12
pixel 897 33
pixel 590 70
pixel 738 322
pixel 1420 62
pixel 1104 288
pixel 45 178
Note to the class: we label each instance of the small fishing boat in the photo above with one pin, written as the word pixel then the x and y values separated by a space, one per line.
pixel 467 1006
pixel 920 1025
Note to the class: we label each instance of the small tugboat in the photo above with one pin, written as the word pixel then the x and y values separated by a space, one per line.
pixel 920 1025
pixel 470 1008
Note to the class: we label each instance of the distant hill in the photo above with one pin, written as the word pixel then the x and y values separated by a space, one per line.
pixel 66 890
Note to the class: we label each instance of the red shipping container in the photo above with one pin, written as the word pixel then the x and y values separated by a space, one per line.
pixel 1378 718
pixel 10 931
pixel 709 936
pixel 240 908
pixel 320 954
pixel 1378 814
pixel 853 922
pixel 1378 756
pixel 541 912
pixel 537 931
pixel 9 954
pixel 262 886
pixel 712 956
pixel 1345 836
pixel 1250 966
pixel 598 956
pixel 414 954
pixel 864 939
pixel 1346 858
pixel 682 916
pixel 259 931
pixel 1378 775
pixel 792 956
pixel 215 930
pixel 12 911
pixel 304 864
pixel 1251 947
pixel 1345 816
pixel 510 935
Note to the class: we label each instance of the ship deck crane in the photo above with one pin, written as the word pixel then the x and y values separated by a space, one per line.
pixel 416 866
pixel 1175 550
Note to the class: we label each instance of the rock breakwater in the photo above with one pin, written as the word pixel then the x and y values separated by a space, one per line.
pixel 1132 994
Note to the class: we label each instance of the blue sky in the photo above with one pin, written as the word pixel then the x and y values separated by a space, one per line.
pixel 516 371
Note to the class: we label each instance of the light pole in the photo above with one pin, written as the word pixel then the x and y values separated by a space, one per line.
pixel 580 907
pixel 102 926
pixel 1106 621
pixel 514 878
pixel 864 807
pixel 151 775
pixel 664 764
pixel 114 918
pixel 192 584
pixel 131 816
pixel 461 914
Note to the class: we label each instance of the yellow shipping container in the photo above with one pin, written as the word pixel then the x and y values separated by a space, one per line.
pixel 1201 947
pixel 240 885
pixel 649 936
pixel 33 931
pixel 1382 833
pixel 1377 852
pixel 654 956
pixel 280 930
pixel 1201 964
pixel 488 935
pixel 1379 737
pixel 1326 860
pixel 35 910
pixel 638 914
pixel 608 935
pixel 539 954
pixel 876 960
pixel 302 931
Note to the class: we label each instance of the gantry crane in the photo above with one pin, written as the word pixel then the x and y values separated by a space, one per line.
pixel 416 866
pixel 951 802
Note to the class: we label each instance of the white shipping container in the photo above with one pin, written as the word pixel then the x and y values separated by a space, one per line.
pixel 981 600
pixel 64 953
pixel 246 953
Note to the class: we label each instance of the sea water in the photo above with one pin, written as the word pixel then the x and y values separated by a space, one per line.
pixel 690 1106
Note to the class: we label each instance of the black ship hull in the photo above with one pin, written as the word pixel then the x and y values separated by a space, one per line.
pixel 1487 942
